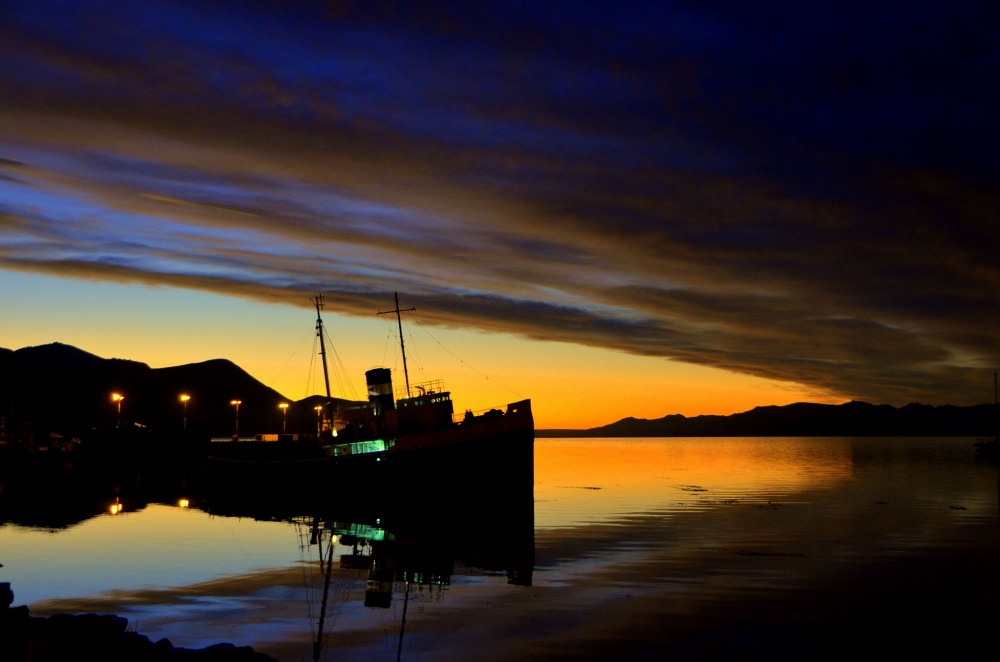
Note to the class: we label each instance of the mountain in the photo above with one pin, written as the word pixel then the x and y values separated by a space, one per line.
pixel 804 419
pixel 61 389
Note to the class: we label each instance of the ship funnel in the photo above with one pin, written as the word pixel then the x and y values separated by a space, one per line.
pixel 380 389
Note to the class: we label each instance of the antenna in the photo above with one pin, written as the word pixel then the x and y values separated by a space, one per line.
pixel 402 347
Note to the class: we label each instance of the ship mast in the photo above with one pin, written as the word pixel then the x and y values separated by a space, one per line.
pixel 402 347
pixel 318 644
pixel 318 301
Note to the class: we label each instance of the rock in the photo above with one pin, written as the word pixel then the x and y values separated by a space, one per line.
pixel 65 637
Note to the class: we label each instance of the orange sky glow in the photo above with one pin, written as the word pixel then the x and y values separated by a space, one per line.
pixel 570 386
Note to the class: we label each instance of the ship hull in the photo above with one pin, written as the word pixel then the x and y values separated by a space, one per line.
pixel 478 452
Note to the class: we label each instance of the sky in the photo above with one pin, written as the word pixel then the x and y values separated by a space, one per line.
pixel 615 209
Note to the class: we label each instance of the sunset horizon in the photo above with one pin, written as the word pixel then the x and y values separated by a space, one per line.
pixel 298 375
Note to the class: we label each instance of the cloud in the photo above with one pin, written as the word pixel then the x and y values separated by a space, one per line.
pixel 804 195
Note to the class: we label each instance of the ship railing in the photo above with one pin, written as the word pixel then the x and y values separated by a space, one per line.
pixel 423 388
pixel 470 415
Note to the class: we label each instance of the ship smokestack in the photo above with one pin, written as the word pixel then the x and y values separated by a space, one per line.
pixel 380 389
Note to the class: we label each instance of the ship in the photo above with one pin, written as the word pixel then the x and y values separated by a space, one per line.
pixel 399 434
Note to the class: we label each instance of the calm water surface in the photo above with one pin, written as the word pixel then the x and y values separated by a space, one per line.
pixel 763 548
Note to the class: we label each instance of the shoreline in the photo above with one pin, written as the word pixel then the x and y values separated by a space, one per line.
pixel 65 637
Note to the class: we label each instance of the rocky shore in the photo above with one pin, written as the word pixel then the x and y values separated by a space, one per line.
pixel 65 637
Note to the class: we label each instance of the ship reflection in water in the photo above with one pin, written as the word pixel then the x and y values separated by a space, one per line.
pixel 385 568
pixel 403 563
pixel 273 565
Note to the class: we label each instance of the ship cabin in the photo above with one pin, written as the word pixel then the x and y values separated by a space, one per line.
pixel 390 412
pixel 430 408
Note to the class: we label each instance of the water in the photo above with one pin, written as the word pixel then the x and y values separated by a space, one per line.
pixel 783 548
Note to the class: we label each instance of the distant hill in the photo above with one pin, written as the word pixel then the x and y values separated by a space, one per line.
pixel 805 419
pixel 60 389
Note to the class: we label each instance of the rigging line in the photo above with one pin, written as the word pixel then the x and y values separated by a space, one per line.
pixel 306 579
pixel 310 376
pixel 391 333
pixel 341 371
pixel 342 375
pixel 457 358
pixel 416 354
pixel 287 361
pixel 337 377
pixel 385 348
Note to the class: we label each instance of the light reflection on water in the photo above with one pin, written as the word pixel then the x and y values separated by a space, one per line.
pixel 641 546
pixel 592 480
pixel 160 545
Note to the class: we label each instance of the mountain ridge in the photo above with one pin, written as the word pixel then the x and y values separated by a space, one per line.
pixel 33 378
pixel 806 419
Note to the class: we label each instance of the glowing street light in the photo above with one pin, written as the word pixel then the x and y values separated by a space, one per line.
pixel 284 413
pixel 319 418
pixel 237 403
pixel 117 399
pixel 184 401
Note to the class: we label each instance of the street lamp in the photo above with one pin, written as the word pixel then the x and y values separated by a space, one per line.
pixel 284 413
pixel 117 399
pixel 184 401
pixel 237 403
pixel 319 416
